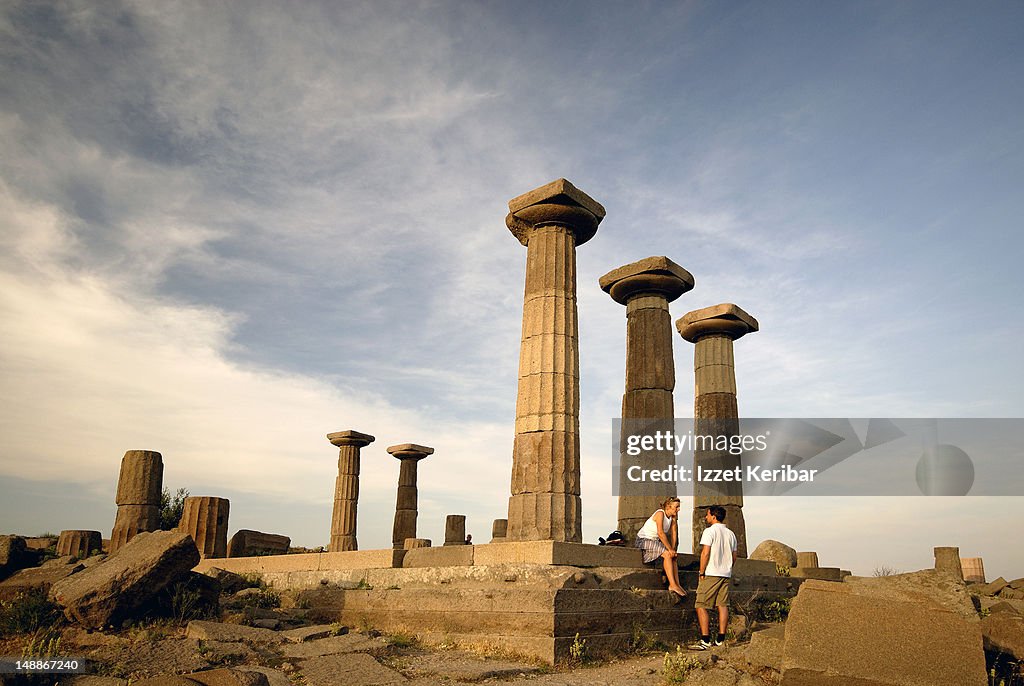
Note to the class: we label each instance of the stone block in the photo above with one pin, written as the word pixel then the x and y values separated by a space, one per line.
pixel 1003 632
pixel 774 551
pixel 1017 584
pixel 141 478
pixel 132 520
pixel 714 379
pixel 351 669
pixel 229 677
pixel 248 543
pixel 544 516
pixel 819 573
pixel 947 559
pixel 725 318
pixel 926 587
pixel 993 587
pixel 446 556
pixel 455 530
pixel 547 353
pixel 546 462
pixel 499 528
pixel 232 633
pixel 556 553
pixel 973 569
pixel 647 404
pixel 36 578
pixel 807 560
pixel 40 542
pixel 14 555
pixel 752 567
pixel 79 543
pixel 414 543
pixel 129 582
pixel 837 635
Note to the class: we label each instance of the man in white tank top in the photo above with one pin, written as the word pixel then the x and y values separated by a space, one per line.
pixel 717 555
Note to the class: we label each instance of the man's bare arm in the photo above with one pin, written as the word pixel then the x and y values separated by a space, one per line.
pixel 705 556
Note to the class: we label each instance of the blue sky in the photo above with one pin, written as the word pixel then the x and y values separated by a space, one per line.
pixel 226 234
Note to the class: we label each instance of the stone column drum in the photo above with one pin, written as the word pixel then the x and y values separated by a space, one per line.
pixel 947 559
pixel 80 543
pixel 499 529
pixel 646 288
pixel 346 488
pixel 455 530
pixel 551 221
pixel 712 330
pixel 138 496
pixel 205 519
pixel 409 454
pixel 973 569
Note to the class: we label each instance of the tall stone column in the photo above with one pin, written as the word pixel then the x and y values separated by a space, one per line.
pixel 205 519
pixel 712 330
pixel 138 496
pixel 646 288
pixel 409 454
pixel 551 221
pixel 346 488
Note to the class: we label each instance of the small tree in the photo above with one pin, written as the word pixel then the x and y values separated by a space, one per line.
pixel 171 508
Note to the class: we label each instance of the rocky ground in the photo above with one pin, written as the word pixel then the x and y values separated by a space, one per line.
pixel 329 654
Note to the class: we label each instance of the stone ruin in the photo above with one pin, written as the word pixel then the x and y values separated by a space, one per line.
pixel 535 589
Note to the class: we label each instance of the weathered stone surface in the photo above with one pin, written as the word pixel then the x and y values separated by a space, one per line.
pixel 993 587
pixel 413 543
pixel 652 275
pixel 346 488
pixel 334 645
pixel 232 633
pixel 974 569
pixel 820 573
pixel 1011 606
pixel 40 542
pixel 14 555
pixel 199 592
pixel 311 633
pixel 926 587
pixel 774 551
pixel 556 201
pixel 78 542
pixel 205 519
pixel 947 559
pixel 840 634
pixel 455 530
pixel 247 543
pixel 1004 632
pixel 36 578
pixel 275 677
pixel 807 560
pixel 765 648
pixel 356 669
pixel 1011 593
pixel 166 680
pixel 409 455
pixel 499 527
pixel 129 582
pixel 463 667
pixel 92 680
pixel 229 677
pixel 229 581
pixel 726 318
pixel 1017 584
pixel 138 496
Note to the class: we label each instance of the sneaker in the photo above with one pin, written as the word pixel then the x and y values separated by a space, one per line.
pixel 719 640
pixel 699 645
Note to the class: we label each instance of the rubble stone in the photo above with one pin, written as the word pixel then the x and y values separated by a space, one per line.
pixel 247 543
pixel 774 551
pixel 205 519
pixel 80 543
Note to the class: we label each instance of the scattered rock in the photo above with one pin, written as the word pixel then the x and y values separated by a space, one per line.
pixel 312 633
pixel 1011 606
pixel 229 581
pixel 1017 584
pixel 273 624
pixel 463 666
pixel 765 648
pixel 992 587
pixel 275 677
pixel 228 677
pixel 774 551
pixel 127 584
pixel 926 586
pixel 231 633
pixel 1011 593
pixel 1003 632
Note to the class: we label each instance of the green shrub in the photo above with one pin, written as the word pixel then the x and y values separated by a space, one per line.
pixel 28 612
pixel 676 668
pixel 171 508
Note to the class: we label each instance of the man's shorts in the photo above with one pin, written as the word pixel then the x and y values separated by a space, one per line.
pixel 712 591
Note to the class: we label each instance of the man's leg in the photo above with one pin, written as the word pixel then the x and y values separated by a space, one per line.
pixel 704 621
pixel 723 619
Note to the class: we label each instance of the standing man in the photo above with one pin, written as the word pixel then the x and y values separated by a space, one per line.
pixel 717 555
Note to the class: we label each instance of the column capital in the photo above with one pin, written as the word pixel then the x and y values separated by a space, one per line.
pixel 650 276
pixel 724 319
pixel 410 451
pixel 350 437
pixel 559 203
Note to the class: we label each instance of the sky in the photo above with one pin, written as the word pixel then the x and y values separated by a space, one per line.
pixel 228 232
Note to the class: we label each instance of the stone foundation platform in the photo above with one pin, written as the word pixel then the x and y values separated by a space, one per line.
pixel 525 598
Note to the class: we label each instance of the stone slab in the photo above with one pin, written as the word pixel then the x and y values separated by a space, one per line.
pixel 819 573
pixel 356 669
pixel 447 556
pixel 835 635
pixel 747 567
pixel 309 633
pixel 334 645
pixel 348 559
pixel 556 553
pixel 466 667
pixel 231 633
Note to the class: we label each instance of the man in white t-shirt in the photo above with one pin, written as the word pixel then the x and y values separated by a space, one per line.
pixel 717 555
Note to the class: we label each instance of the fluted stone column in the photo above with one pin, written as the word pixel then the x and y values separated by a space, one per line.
pixel 205 519
pixel 646 288
pixel 455 530
pixel 346 488
pixel 409 454
pixel 79 542
pixel 712 330
pixel 551 221
pixel 138 496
